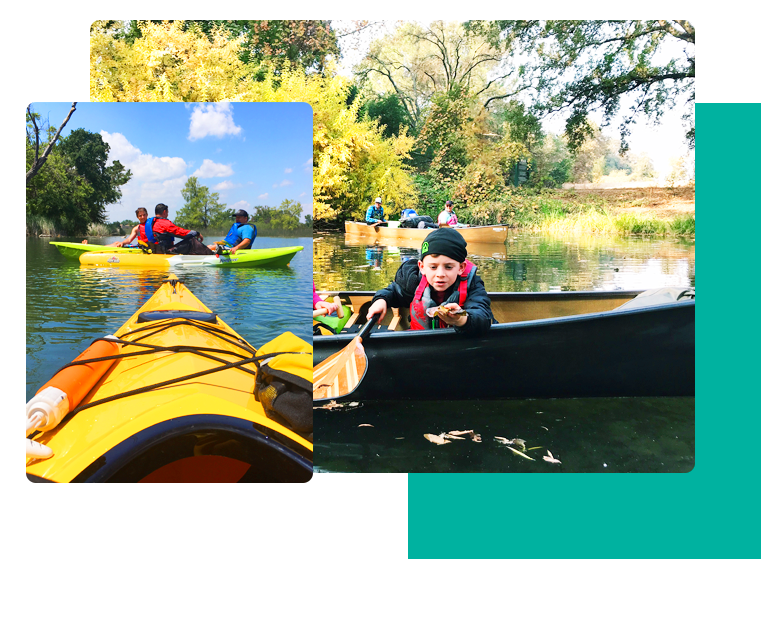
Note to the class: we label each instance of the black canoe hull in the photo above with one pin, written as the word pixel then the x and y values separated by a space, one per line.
pixel 637 352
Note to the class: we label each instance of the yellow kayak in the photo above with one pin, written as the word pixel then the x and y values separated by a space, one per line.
pixel 174 396
pixel 108 256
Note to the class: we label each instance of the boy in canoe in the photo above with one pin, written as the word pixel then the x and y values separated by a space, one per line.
pixel 138 231
pixel 441 290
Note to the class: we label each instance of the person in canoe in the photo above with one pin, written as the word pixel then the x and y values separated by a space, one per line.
pixel 138 231
pixel 160 233
pixel 410 219
pixel 374 214
pixel 240 236
pixel 441 290
pixel 448 217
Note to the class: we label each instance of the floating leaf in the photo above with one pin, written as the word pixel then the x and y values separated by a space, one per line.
pixel 461 432
pixel 520 454
pixel 550 458
pixel 503 439
pixel 450 436
pixel 476 438
pixel 370 426
pixel 534 448
pixel 437 439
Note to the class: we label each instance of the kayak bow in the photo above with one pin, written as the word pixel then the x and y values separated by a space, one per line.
pixel 169 398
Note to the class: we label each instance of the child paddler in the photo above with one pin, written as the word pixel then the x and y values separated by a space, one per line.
pixel 443 276
pixel 138 231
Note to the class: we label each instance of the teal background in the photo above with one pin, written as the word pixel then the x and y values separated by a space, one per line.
pixel 620 549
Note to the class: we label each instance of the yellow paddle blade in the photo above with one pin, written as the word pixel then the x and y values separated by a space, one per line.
pixel 341 373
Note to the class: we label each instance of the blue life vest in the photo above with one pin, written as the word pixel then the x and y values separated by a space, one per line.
pixel 164 238
pixel 233 237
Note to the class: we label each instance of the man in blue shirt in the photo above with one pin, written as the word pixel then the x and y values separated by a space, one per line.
pixel 240 236
pixel 374 214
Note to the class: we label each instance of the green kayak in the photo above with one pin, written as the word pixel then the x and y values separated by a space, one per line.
pixel 109 256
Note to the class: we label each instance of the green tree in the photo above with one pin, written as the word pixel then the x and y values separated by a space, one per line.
pixel 582 66
pixel 389 114
pixel 418 62
pixel 285 217
pixel 88 153
pixel 202 209
pixel 73 188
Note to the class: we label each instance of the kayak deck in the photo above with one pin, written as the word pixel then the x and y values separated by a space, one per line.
pixel 171 416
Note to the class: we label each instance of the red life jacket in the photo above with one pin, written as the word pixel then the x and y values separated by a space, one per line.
pixel 141 235
pixel 423 300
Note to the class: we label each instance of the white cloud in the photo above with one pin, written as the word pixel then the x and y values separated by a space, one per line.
pixel 264 196
pixel 288 170
pixel 308 166
pixel 302 195
pixel 210 169
pixel 283 183
pixel 154 179
pixel 144 167
pixel 242 204
pixel 224 185
pixel 212 119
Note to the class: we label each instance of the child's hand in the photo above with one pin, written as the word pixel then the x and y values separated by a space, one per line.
pixel 320 310
pixel 379 307
pixel 453 320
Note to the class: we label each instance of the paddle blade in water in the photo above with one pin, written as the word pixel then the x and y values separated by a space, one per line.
pixel 341 373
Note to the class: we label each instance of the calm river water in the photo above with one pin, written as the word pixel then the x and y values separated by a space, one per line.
pixel 68 305
pixel 586 435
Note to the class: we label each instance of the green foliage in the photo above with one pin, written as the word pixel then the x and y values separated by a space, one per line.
pixel 389 114
pixel 202 209
pixel 75 184
pixel 579 66
pixel 285 217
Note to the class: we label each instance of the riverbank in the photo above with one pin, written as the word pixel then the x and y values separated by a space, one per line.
pixel 644 211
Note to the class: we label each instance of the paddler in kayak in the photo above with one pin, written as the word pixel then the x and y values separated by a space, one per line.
pixel 138 231
pixel 240 236
pixel 160 233
pixel 441 290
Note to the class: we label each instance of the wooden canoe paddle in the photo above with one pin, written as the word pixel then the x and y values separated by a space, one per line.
pixel 341 373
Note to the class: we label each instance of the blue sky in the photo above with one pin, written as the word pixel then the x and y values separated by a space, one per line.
pixel 250 153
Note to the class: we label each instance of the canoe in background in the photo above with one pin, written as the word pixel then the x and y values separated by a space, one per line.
pixel 547 345
pixel 391 235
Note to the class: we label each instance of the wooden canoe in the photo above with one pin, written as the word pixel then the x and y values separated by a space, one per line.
pixel 414 236
pixel 547 345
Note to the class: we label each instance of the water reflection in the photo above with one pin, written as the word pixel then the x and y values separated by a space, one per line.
pixel 527 262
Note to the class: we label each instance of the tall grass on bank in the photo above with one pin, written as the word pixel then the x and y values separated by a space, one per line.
pixel 536 212
pixel 40 227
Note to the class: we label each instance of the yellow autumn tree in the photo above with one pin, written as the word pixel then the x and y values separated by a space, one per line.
pixel 166 64
pixel 352 161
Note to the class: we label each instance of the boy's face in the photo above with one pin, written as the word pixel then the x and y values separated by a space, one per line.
pixel 142 216
pixel 440 271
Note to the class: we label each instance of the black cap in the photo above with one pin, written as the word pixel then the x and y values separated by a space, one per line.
pixel 239 213
pixel 449 203
pixel 447 241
